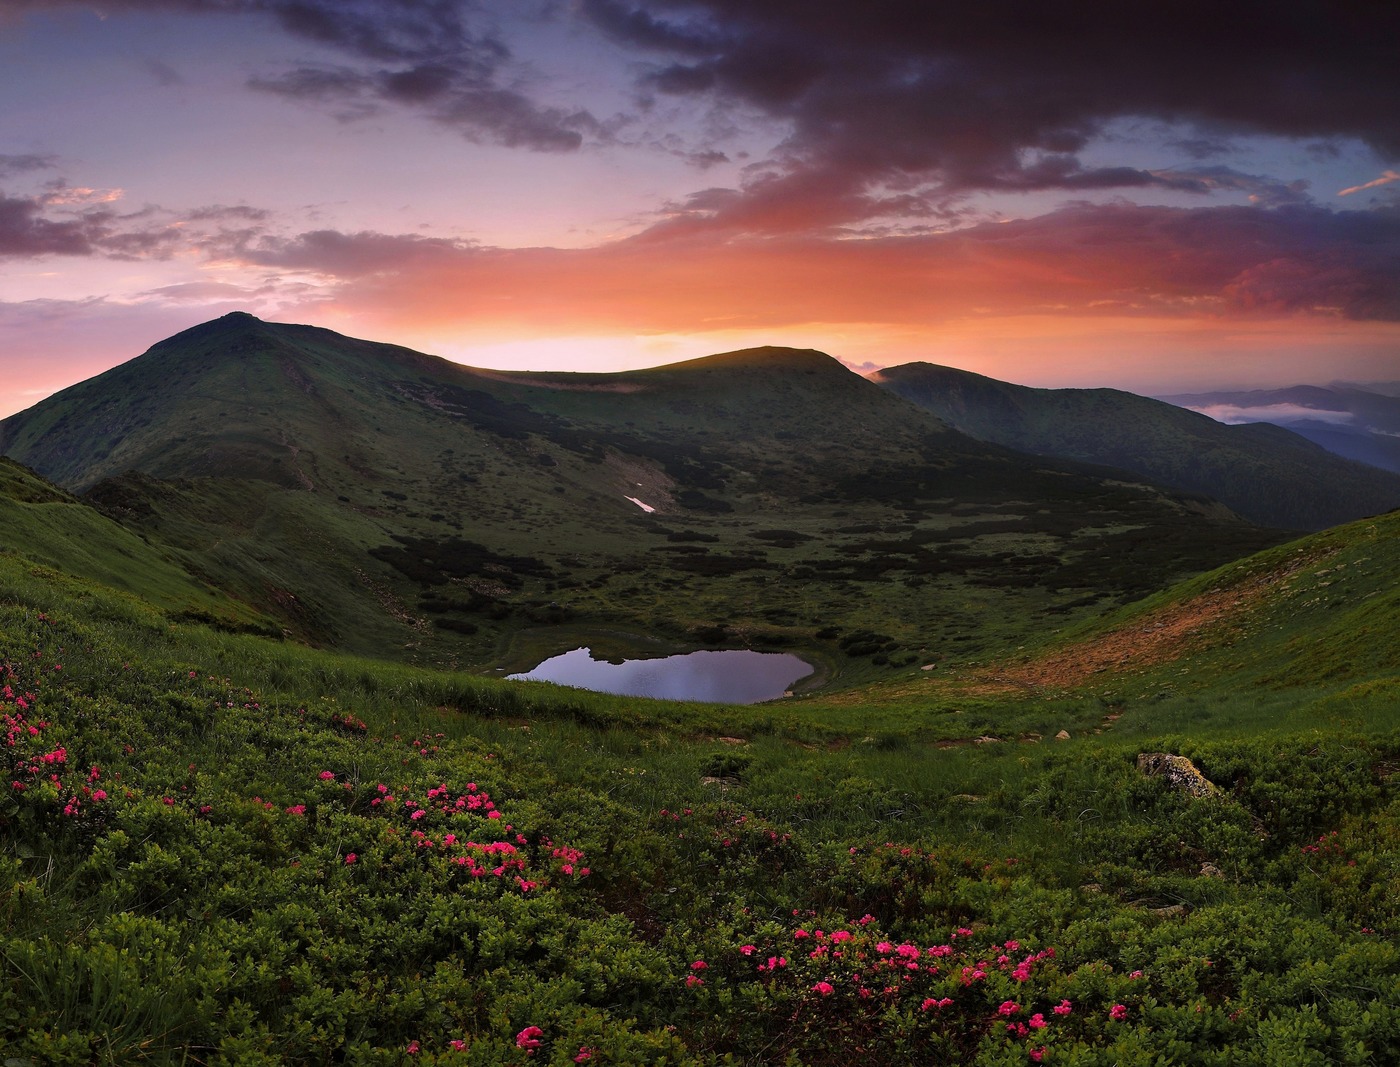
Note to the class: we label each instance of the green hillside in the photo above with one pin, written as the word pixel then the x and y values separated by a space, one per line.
pixel 1266 473
pixel 393 504
pixel 219 848
pixel 46 526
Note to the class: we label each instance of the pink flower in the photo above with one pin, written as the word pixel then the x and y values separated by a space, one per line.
pixel 1008 1007
pixel 326 776
pixel 1064 1007
pixel 1037 1054
pixel 350 857
pixel 584 1055
pixel 1118 1012
pixel 529 1038
pixel 1037 1022
pixel 748 950
pixel 824 988
pixel 412 1048
pixel 458 1045
pixel 699 965
pixel 692 982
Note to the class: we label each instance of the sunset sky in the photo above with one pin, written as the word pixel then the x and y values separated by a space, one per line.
pixel 1159 197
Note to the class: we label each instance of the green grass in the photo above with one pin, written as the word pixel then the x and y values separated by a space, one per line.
pixel 205 912
pixel 256 886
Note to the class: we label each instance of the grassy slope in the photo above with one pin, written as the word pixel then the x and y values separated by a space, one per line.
pixel 1266 473
pixel 47 526
pixel 399 505
pixel 204 909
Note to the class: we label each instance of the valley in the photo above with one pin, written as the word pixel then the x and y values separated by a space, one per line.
pixel 267 800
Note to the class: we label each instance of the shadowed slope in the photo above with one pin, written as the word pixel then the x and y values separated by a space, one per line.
pixel 1264 472
pixel 394 503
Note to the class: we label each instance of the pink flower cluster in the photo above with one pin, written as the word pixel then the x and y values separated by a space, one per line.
pixel 854 964
pixel 500 859
pixel 529 1039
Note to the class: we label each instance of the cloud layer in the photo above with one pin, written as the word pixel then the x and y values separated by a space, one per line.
pixel 896 107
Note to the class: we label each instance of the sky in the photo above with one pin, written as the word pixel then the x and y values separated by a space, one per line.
pixel 1165 198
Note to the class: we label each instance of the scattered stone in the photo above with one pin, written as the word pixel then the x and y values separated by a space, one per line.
pixel 1178 771
pixel 1092 887
pixel 1210 870
pixel 1063 735
pixel 723 781
pixel 1171 911
pixel 986 739
pixel 731 740
pixel 928 666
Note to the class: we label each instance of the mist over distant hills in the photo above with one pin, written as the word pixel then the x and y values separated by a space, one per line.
pixel 1271 475
pixel 1359 422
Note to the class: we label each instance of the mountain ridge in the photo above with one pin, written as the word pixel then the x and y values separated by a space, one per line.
pixel 399 504
pixel 1264 472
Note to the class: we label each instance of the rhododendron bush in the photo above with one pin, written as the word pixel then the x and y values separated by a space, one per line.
pixel 195 870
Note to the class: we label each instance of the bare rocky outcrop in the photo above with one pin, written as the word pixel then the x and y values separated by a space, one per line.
pixel 1178 772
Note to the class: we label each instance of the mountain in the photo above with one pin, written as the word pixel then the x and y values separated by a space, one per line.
pixel 1362 424
pixel 1264 472
pixel 391 503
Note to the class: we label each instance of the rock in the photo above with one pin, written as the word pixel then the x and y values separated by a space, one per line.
pixel 722 782
pixel 1210 870
pixel 986 739
pixel 1178 771
pixel 1171 911
pixel 1063 735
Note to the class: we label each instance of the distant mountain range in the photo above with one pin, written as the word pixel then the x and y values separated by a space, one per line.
pixel 387 502
pixel 1360 423
pixel 1268 474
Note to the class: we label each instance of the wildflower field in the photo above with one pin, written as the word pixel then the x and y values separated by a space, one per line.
pixel 222 849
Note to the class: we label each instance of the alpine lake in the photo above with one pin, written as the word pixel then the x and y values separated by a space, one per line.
pixel 728 676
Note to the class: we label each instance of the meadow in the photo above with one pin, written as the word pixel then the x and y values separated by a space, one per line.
pixel 225 848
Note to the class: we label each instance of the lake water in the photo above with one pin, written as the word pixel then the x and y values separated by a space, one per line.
pixel 731 676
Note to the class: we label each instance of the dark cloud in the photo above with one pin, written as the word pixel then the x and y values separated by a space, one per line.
pixel 1006 94
pixel 163 72
pixel 67 221
pixel 424 54
pixel 1261 189
pixel 24 164
pixel 637 26
pixel 24 231
pixel 419 54
pixel 353 255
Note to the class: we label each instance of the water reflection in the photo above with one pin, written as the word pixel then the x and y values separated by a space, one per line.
pixel 731 676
